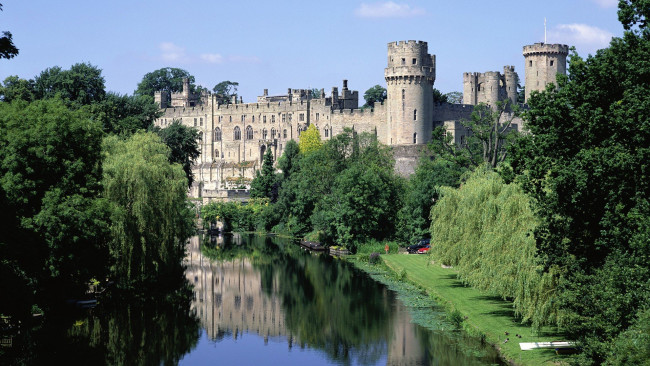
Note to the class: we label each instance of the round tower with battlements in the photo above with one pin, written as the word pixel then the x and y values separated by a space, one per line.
pixel 543 63
pixel 410 75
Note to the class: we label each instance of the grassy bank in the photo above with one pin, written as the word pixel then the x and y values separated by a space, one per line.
pixel 482 314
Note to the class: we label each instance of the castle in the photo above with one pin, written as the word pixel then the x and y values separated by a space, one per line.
pixel 234 137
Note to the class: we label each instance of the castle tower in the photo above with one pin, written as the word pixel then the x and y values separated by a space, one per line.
pixel 543 63
pixel 410 75
pixel 511 80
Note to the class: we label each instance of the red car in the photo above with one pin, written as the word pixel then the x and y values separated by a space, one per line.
pixel 425 249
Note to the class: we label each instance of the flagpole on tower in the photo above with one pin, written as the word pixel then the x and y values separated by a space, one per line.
pixel 544 30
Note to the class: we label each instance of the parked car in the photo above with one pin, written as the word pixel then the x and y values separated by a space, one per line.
pixel 420 244
pixel 424 250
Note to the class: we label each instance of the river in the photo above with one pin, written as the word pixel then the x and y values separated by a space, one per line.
pixel 256 300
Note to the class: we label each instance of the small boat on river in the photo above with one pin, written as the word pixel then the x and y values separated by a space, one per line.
pixel 312 245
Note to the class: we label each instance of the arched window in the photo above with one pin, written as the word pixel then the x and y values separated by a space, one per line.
pixel 230 118
pixel 327 131
pixel 264 133
pixel 217 134
pixel 249 133
pixel 237 134
pixel 415 114
pixel 273 133
pixel 216 154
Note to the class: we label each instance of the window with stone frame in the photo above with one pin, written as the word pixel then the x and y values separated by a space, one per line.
pixel 264 133
pixel 237 133
pixel 273 133
pixel 249 133
pixel 217 134
pixel 284 133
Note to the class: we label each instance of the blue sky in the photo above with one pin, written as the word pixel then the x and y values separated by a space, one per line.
pixel 291 44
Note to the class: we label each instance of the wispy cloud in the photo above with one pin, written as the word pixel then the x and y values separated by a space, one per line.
pixel 585 37
pixel 387 9
pixel 171 52
pixel 606 3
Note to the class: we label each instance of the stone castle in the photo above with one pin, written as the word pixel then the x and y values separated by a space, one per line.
pixel 234 137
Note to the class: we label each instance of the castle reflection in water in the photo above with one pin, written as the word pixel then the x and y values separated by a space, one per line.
pixel 230 300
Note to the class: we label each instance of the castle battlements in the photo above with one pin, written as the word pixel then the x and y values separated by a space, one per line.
pixel 543 48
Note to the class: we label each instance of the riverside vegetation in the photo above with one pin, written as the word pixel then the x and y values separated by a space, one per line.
pixel 559 226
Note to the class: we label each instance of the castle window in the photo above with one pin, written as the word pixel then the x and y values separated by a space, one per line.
pixel 237 133
pixel 284 133
pixel 327 132
pixel 530 63
pixel 284 117
pixel 273 118
pixel 230 118
pixel 415 61
pixel 216 154
pixel 264 132
pixel 403 94
pixel 194 122
pixel 264 119
pixel 217 134
pixel 200 136
pixel 302 117
pixel 290 117
pixel 415 114
pixel 201 121
pixel 249 133
pixel 551 62
pixel 273 133
pixel 317 115
pixel 253 118
pixel 415 137
pixel 403 61
pixel 243 118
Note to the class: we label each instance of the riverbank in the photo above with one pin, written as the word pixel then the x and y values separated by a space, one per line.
pixel 479 313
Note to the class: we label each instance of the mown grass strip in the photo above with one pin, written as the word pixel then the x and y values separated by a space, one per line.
pixel 483 314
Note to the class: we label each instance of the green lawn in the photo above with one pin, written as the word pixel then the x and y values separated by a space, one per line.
pixel 484 314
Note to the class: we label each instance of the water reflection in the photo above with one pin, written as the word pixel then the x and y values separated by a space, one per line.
pixel 269 287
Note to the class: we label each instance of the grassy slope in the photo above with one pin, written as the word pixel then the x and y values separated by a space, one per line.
pixel 486 314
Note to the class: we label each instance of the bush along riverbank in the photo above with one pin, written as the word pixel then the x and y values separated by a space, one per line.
pixel 478 313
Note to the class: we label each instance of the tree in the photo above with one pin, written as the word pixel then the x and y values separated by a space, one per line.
pixel 438 97
pixel 375 94
pixel 7 48
pixel 454 97
pixel 183 143
pixel 264 184
pixel 491 132
pixel 54 224
pixel 150 214
pixel 288 162
pixel 309 140
pixel 125 114
pixel 167 79
pixel 584 164
pixel 225 91
pixel 15 88
pixel 83 84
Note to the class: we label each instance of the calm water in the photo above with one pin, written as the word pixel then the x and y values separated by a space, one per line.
pixel 256 300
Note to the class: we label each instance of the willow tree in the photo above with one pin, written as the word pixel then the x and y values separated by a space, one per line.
pixel 485 230
pixel 150 218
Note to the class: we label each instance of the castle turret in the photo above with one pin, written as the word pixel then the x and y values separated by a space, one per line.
pixel 511 81
pixel 410 75
pixel 543 63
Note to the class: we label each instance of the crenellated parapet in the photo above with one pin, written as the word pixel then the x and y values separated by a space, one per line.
pixel 543 63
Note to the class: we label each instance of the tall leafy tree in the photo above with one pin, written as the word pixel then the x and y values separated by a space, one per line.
pixel 225 90
pixel 264 184
pixel 125 114
pixel 309 140
pixel 454 97
pixel 15 88
pixel 183 142
pixel 82 84
pixel 288 162
pixel 150 214
pixel 376 94
pixel 49 183
pixel 168 79
pixel 584 163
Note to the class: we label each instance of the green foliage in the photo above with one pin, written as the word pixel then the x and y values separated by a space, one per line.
pixel 225 90
pixel 83 84
pixel 634 12
pixel 288 162
pixel 454 97
pixel 167 79
pixel 256 214
pixel 376 94
pixel 150 214
pixel 15 88
pixel 309 140
pixel 53 223
pixel 438 97
pixel 484 229
pixel 265 182
pixel 183 143
pixel 632 346
pixel 124 114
